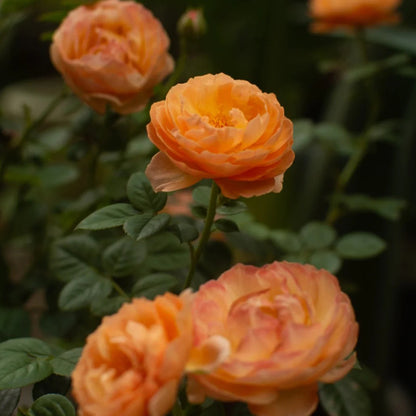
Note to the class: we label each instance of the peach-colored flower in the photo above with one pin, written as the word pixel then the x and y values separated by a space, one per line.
pixel 216 127
pixel 112 53
pixel 132 364
pixel 267 335
pixel 331 14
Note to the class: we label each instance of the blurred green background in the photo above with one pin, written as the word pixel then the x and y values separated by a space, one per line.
pixel 268 42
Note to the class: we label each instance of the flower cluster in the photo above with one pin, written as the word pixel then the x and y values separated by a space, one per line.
pixel 264 336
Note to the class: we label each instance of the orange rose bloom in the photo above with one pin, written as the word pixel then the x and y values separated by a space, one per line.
pixel 267 335
pixel 133 362
pixel 330 14
pixel 112 52
pixel 216 127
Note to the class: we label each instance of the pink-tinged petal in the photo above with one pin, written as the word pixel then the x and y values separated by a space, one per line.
pixel 289 326
pixel 209 355
pixel 297 402
pixel 165 176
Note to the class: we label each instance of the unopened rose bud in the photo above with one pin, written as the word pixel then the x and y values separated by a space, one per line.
pixel 192 23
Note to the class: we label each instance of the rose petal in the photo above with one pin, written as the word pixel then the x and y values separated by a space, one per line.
pixel 297 402
pixel 209 355
pixel 165 176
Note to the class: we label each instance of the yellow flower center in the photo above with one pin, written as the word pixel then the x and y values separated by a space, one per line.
pixel 219 120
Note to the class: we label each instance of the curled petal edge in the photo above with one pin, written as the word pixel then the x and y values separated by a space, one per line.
pixel 208 356
pixel 164 176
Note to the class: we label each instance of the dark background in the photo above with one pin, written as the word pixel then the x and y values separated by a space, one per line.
pixel 268 42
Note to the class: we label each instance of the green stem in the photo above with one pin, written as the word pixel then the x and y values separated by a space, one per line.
pixel 373 95
pixel 119 290
pixel 206 232
pixel 45 114
pixel 28 130
pixel 354 161
pixel 177 409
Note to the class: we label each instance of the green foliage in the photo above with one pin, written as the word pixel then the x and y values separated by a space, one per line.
pixel 154 225
pixel 359 245
pixel 326 259
pixel 52 404
pixel 201 195
pixel 303 133
pixel 231 207
pixel 123 257
pixel 286 240
pixel 166 253
pixel 75 256
pixel 65 164
pixel 142 196
pixel 389 208
pixel 226 225
pixel 107 306
pixel 64 363
pixel 134 225
pixel 335 137
pixel 199 211
pixel 108 217
pixel 185 230
pixel 154 284
pixel 316 235
pixel 81 291
pixel 24 361
pixel 400 38
pixel 346 397
pixel 47 177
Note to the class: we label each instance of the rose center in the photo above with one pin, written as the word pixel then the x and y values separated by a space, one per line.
pixel 219 120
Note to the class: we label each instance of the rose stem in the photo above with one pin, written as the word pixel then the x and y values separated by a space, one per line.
pixel 177 409
pixel 363 142
pixel 28 130
pixel 206 232
pixel 119 290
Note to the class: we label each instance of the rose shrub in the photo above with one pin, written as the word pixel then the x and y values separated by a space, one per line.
pixel 279 329
pixel 112 53
pixel 330 14
pixel 132 364
pixel 216 127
